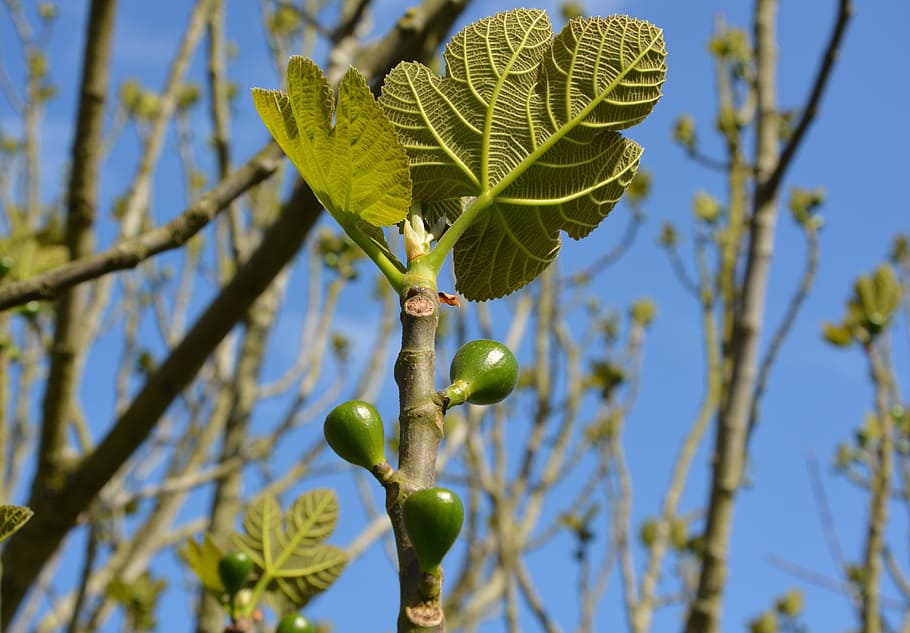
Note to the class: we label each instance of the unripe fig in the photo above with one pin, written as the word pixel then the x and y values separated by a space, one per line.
pixel 234 569
pixel 482 372
pixel 354 431
pixel 432 518
pixel 294 623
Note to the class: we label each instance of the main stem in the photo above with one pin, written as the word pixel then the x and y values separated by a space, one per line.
pixel 420 421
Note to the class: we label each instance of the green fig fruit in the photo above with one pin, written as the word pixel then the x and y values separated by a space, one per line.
pixel 354 431
pixel 432 519
pixel 234 569
pixel 482 372
pixel 294 623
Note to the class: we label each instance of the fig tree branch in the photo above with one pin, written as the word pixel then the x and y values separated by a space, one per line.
pixel 832 51
pixel 82 201
pixel 131 252
pixel 58 512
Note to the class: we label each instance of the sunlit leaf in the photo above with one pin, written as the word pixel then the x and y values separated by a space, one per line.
pixel 528 125
pixel 356 169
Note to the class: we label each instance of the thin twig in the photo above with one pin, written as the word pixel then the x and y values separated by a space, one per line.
pixel 784 327
pixel 832 50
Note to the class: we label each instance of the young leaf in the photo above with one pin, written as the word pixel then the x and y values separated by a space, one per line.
pixel 203 559
pixel 528 125
pixel 289 549
pixel 12 518
pixel 357 169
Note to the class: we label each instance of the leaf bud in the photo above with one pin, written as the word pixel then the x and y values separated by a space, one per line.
pixel 706 207
pixel 765 623
pixel 684 132
pixel 643 312
pixel 669 238
pixel 790 604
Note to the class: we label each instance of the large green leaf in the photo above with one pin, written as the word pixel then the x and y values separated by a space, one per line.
pixel 527 124
pixel 357 169
pixel 289 549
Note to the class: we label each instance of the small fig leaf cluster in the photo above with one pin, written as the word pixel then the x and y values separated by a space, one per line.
pixel 528 125
pixel 279 560
pixel 876 299
pixel 525 123
pixel 288 547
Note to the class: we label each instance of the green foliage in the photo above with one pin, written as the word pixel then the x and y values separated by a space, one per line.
pixel 203 559
pixel 293 562
pixel 684 133
pixel 876 299
pixel 765 623
pixel 606 376
pixel 900 250
pixel 783 617
pixel 139 599
pixel 188 96
pixel 528 126
pixel 706 207
pixel 790 604
pixel 643 312
pixel 647 533
pixel 12 518
pixel 804 202
pixel 26 253
pixel 357 169
pixel 138 102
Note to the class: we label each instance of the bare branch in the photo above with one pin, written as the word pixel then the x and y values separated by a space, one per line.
pixel 786 324
pixel 57 513
pixel 832 51
pixel 131 252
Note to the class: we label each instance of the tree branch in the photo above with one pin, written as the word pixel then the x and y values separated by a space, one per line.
pixel 832 51
pixel 131 252
pixel 69 340
pixel 55 514
pixel 729 451
pixel 786 324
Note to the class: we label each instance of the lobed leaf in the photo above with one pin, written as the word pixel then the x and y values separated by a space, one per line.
pixel 289 549
pixel 528 125
pixel 203 559
pixel 356 169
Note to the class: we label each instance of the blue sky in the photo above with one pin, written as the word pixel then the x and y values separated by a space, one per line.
pixel 856 151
